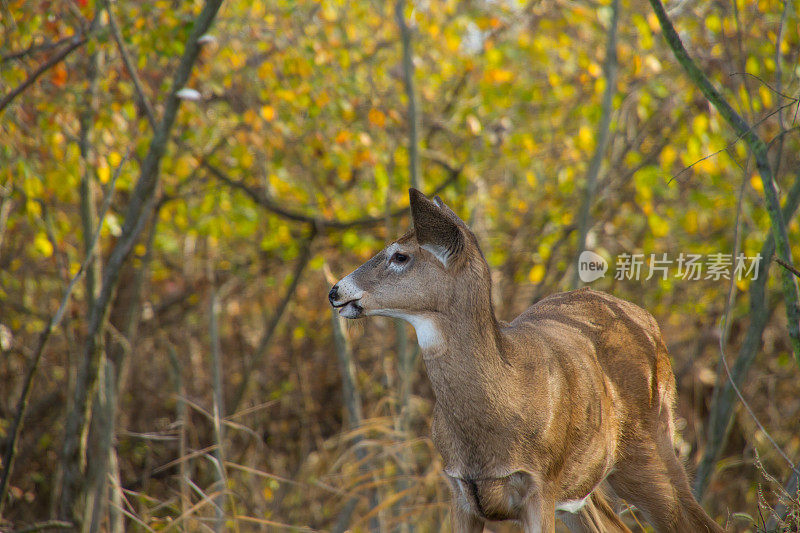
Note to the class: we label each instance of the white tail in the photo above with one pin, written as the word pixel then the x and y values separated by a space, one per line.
pixel 567 405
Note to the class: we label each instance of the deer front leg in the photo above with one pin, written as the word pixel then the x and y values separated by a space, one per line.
pixel 539 515
pixel 464 521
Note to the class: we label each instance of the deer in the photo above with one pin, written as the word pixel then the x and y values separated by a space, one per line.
pixel 565 412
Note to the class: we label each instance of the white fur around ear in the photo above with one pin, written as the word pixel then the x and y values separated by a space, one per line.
pixel 439 252
pixel 438 201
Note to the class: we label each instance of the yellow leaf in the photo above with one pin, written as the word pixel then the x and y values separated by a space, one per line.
pixel 700 124
pixel 112 223
pixel 114 159
pixel 266 70
pixel 652 21
pixel 452 41
pixel 104 173
pixel 668 156
pixel 43 245
pixel 755 182
pixel 267 113
pixel 237 60
pixel 33 208
pixel 322 99
pixel 499 75
pixel 658 225
pixel 536 274
pixel 342 137
pixel 527 141
pixel 585 138
pixel 713 23
pixel 766 95
pixel 376 117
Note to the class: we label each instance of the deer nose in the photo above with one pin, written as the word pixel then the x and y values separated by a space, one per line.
pixel 334 294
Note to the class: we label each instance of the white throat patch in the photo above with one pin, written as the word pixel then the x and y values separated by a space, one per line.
pixel 428 335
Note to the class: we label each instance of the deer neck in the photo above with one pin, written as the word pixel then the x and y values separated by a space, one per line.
pixel 463 352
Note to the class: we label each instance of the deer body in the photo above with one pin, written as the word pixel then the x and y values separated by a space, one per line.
pixel 542 416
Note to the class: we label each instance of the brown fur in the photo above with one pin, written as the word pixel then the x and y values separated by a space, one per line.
pixel 574 393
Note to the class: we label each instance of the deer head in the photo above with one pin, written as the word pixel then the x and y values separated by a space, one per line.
pixel 436 269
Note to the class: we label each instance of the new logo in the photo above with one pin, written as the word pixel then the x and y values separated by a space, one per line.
pixel 591 266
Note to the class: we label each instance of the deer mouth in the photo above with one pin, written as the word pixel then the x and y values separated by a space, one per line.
pixel 350 309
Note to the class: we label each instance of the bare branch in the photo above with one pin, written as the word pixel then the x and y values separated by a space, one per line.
pixel 76 42
pixel 408 83
pixel 42 526
pixel 787 266
pixel 126 60
pixel 259 197
pixel 35 49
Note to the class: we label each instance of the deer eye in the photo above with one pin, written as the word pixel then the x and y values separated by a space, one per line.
pixel 399 258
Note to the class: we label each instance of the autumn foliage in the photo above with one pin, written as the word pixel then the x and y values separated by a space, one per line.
pixel 289 159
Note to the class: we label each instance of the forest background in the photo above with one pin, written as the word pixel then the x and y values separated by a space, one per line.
pixel 180 182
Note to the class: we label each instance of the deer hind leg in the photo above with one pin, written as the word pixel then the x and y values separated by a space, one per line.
pixel 651 477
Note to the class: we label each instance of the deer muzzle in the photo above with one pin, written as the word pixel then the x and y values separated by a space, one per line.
pixel 346 296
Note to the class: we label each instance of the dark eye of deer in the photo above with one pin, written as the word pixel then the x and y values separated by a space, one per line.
pixel 399 258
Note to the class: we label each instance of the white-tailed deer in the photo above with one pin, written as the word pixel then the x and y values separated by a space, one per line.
pixel 570 402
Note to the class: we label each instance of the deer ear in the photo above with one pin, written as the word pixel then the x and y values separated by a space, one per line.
pixel 436 231
pixel 449 212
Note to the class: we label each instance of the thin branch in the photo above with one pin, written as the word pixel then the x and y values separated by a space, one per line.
pixel 408 83
pixel 736 140
pixel 22 404
pixel 353 406
pixel 76 42
pixel 724 327
pixel 787 266
pixel 126 60
pixel 610 73
pixel 42 526
pixel 790 492
pixel 759 150
pixel 259 197
pixel 218 399
pixel 723 400
pixel 746 405
pixel 252 360
pixel 765 84
pixel 35 48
